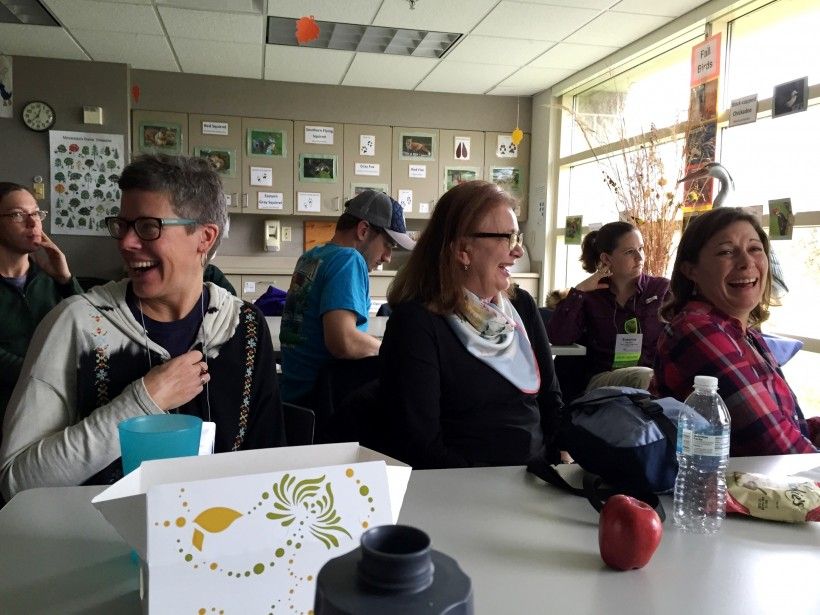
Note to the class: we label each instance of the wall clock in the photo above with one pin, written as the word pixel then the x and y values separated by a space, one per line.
pixel 38 116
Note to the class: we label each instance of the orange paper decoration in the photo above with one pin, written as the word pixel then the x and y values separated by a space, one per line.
pixel 516 136
pixel 135 93
pixel 306 30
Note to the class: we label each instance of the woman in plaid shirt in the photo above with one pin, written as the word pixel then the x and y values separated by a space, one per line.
pixel 720 295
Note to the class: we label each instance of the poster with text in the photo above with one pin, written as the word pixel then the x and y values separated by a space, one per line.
pixel 6 107
pixel 85 169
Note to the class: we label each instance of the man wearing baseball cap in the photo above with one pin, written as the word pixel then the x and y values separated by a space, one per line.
pixel 325 315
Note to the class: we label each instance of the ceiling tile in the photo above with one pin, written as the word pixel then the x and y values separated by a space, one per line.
pixel 387 71
pixel 219 58
pixel 667 8
pixel 208 25
pixel 506 91
pixel 226 6
pixel 39 41
pixel 535 79
pixel 463 77
pixel 570 55
pixel 106 16
pixel 348 11
pixel 534 21
pixel 143 51
pixel 495 50
pixel 305 65
pixel 450 16
pixel 581 4
pixel 617 29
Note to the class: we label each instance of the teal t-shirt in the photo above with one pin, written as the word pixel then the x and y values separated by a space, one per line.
pixel 328 277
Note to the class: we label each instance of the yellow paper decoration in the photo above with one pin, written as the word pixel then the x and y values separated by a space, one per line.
pixel 516 136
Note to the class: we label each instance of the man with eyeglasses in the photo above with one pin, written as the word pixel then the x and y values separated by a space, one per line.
pixel 327 305
pixel 34 277
pixel 160 341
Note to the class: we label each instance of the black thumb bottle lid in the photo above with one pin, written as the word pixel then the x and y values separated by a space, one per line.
pixel 393 571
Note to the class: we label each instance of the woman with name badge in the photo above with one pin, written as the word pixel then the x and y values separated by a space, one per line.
pixel 614 312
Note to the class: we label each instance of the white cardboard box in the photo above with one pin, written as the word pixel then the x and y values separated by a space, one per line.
pixel 247 532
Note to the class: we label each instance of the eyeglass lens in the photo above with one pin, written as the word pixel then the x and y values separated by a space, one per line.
pixel 21 216
pixel 146 229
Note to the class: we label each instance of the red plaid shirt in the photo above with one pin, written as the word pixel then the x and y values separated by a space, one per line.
pixel 702 340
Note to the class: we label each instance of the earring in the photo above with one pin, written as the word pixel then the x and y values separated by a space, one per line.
pixel 466 267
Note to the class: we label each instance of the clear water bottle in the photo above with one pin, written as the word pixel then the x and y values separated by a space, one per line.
pixel 703 452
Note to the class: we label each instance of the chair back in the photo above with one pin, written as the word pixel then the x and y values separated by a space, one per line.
pixel 299 424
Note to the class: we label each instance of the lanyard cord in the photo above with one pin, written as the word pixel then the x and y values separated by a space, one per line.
pixel 634 315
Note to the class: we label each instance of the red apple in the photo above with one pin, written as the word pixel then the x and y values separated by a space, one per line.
pixel 629 531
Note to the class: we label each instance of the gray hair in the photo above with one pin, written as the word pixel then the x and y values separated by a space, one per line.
pixel 193 186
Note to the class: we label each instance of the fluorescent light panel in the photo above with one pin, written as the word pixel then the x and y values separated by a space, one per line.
pixel 28 12
pixel 369 39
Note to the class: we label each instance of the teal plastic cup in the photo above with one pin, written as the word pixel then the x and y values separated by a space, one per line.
pixel 158 436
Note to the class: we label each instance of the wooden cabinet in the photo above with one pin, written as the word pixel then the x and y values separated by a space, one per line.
pixel 218 138
pixel 317 168
pixel 367 158
pixel 267 157
pixel 461 157
pixel 511 173
pixel 415 173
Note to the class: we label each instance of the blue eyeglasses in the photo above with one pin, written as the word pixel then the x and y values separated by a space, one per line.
pixel 146 228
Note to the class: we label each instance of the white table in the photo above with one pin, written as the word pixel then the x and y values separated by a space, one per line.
pixel 527 547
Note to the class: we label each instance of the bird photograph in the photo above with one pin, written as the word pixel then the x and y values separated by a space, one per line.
pixel 790 97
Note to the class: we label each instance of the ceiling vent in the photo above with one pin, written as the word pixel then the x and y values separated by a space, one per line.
pixel 28 12
pixel 369 39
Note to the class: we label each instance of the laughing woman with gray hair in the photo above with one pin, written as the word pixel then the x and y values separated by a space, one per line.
pixel 160 341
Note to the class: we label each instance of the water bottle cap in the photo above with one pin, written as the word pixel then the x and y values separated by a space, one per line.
pixel 706 382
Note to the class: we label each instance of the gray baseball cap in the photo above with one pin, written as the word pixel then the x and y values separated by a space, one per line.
pixel 382 211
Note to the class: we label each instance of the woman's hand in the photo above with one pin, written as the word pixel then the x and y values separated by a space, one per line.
pixel 52 260
pixel 177 381
pixel 594 282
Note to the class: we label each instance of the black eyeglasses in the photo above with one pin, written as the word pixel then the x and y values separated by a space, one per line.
pixel 515 239
pixel 147 229
pixel 21 216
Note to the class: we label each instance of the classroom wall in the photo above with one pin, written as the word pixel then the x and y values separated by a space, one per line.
pixel 68 85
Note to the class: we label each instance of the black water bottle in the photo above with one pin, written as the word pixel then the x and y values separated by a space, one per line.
pixel 393 571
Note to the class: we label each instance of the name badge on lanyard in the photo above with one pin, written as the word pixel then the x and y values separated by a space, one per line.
pixel 628 345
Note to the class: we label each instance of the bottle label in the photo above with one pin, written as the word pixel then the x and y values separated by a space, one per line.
pixel 704 444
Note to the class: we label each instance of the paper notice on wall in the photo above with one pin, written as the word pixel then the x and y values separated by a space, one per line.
pixel 367 145
pixel 366 168
pixel 261 176
pixel 309 201
pixel 319 135
pixel 406 200
pixel 417 171
pixel 505 148
pixel 270 200
pixel 743 110
pixel 424 208
pixel 215 128
pixel 249 287
pixel 461 148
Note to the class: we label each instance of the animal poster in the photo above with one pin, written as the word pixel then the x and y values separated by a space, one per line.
pixel 781 219
pixel 155 137
pixel 317 168
pixel 461 148
pixel 417 146
pixel 367 145
pixel 505 148
pixel 85 169
pixel 790 97
pixel 572 232
pixel 223 161
pixel 406 200
pixel 507 178
pixel 269 143
pixel 453 176
pixel 6 88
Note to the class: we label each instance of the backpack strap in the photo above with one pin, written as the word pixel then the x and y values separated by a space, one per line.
pixel 593 489
pixel 654 411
